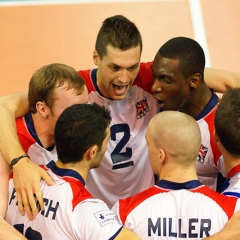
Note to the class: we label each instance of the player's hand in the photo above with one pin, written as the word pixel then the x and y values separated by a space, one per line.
pixel 26 179
pixel 231 230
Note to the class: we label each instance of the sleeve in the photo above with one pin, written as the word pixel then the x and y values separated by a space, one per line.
pixel 92 219
pixel 116 211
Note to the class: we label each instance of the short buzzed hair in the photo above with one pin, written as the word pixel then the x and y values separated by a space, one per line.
pixel 189 53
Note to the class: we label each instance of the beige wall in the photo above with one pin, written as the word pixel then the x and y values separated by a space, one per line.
pixel 35 35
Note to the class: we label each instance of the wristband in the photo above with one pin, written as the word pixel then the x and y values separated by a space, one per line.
pixel 15 160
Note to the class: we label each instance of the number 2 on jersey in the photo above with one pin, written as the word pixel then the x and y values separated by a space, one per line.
pixel 119 158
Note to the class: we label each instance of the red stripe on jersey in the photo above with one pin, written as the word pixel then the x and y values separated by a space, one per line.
pixel 24 136
pixel 86 74
pixel 233 171
pixel 80 193
pixel 130 203
pixel 226 203
pixel 144 78
pixel 210 120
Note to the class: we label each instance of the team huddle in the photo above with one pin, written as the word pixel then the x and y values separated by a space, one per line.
pixel 128 150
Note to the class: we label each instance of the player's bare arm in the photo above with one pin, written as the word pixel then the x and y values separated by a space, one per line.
pixel 221 80
pixel 8 232
pixel 27 175
pixel 230 231
pixel 127 234
pixel 4 176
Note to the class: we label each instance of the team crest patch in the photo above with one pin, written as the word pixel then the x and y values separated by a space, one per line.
pixel 105 217
pixel 202 154
pixel 142 108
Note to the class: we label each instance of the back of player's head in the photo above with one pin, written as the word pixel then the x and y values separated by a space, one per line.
pixel 189 53
pixel 227 121
pixel 47 78
pixel 78 128
pixel 118 32
pixel 177 134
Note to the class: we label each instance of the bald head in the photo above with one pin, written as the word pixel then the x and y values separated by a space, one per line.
pixel 177 134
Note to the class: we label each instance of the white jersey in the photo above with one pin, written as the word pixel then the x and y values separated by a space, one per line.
pixel 125 169
pixel 70 211
pixel 231 186
pixel 172 210
pixel 209 160
pixel 31 144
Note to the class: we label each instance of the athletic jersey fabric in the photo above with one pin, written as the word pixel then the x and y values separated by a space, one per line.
pixel 171 210
pixel 70 211
pixel 209 160
pixel 125 169
pixel 30 142
pixel 231 186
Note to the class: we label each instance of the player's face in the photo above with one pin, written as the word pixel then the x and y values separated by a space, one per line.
pixel 64 98
pixel 117 71
pixel 100 153
pixel 170 88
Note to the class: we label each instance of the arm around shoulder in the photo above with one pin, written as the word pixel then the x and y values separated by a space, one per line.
pixel 231 230
pixel 220 80
pixel 11 106
pixel 127 234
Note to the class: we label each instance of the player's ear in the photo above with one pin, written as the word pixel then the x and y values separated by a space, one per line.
pixel 95 57
pixel 195 80
pixel 91 152
pixel 42 109
pixel 162 156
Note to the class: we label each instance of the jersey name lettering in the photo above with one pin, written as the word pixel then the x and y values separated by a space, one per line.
pixel 164 227
pixel 50 207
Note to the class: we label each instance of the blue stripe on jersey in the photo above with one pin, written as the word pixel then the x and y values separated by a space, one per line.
pixel 32 131
pixel 114 236
pixel 225 185
pixel 63 172
pixel 232 194
pixel 211 104
pixel 94 80
pixel 177 186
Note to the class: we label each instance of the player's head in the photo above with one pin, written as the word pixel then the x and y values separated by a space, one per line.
pixel 117 54
pixel 82 132
pixel 227 122
pixel 173 138
pixel 49 78
pixel 178 69
pixel 53 88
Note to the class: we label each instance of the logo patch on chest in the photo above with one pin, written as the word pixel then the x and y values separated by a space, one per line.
pixel 142 108
pixel 202 154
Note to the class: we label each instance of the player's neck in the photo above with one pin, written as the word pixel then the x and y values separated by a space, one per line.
pixel 79 167
pixel 178 174
pixel 42 131
pixel 230 162
pixel 197 102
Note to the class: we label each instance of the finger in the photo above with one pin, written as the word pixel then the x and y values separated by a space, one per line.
pixel 20 204
pixel 46 178
pixel 33 205
pixel 39 197
pixel 25 203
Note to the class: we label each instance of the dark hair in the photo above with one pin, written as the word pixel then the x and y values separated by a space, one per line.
pixel 119 32
pixel 49 77
pixel 78 128
pixel 189 53
pixel 227 121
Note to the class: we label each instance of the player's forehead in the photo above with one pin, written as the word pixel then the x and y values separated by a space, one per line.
pixel 122 58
